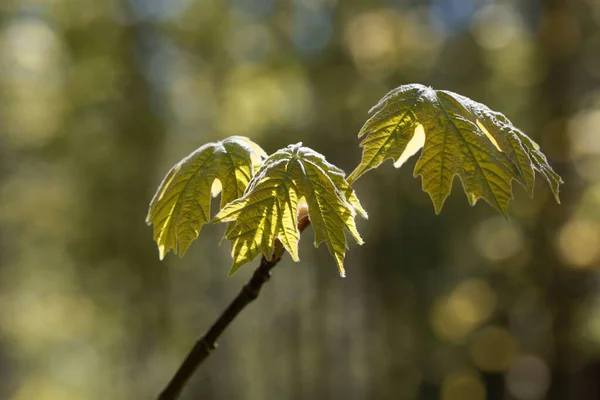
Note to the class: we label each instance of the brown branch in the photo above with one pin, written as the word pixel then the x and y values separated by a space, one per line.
pixel 207 343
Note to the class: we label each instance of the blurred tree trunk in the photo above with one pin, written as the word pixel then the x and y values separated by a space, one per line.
pixel 5 362
pixel 119 265
pixel 564 287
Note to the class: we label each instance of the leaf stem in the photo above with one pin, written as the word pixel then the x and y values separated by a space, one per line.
pixel 205 345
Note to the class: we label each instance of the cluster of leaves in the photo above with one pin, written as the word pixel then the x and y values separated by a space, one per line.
pixel 261 194
pixel 181 205
pixel 269 207
pixel 459 137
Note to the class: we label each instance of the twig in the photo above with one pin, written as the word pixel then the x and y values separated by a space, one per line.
pixel 207 343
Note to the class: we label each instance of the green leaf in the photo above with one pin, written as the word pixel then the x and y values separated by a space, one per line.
pixel 459 137
pixel 181 205
pixel 269 208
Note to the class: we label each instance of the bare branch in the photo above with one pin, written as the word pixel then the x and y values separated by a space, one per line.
pixel 207 343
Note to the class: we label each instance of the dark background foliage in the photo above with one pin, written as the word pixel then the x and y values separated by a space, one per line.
pixel 99 98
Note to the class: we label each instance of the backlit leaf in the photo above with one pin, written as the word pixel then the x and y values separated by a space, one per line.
pixel 458 136
pixel 268 210
pixel 181 205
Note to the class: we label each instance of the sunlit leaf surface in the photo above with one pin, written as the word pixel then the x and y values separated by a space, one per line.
pixel 181 205
pixel 459 137
pixel 269 207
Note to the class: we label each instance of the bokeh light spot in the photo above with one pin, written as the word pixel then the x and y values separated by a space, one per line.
pixel 496 26
pixel 381 41
pixel 29 44
pixel 371 39
pixel 492 349
pixel 472 302
pixel 463 385
pixel 260 100
pixel 528 378
pixel 579 242
pixel 498 239
pixel 583 133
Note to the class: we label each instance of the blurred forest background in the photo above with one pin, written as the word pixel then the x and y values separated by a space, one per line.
pixel 98 98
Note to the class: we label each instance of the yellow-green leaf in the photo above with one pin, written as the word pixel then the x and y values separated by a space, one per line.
pixel 269 208
pixel 458 136
pixel 181 205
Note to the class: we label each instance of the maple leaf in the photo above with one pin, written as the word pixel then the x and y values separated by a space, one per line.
pixel 459 137
pixel 268 209
pixel 181 205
